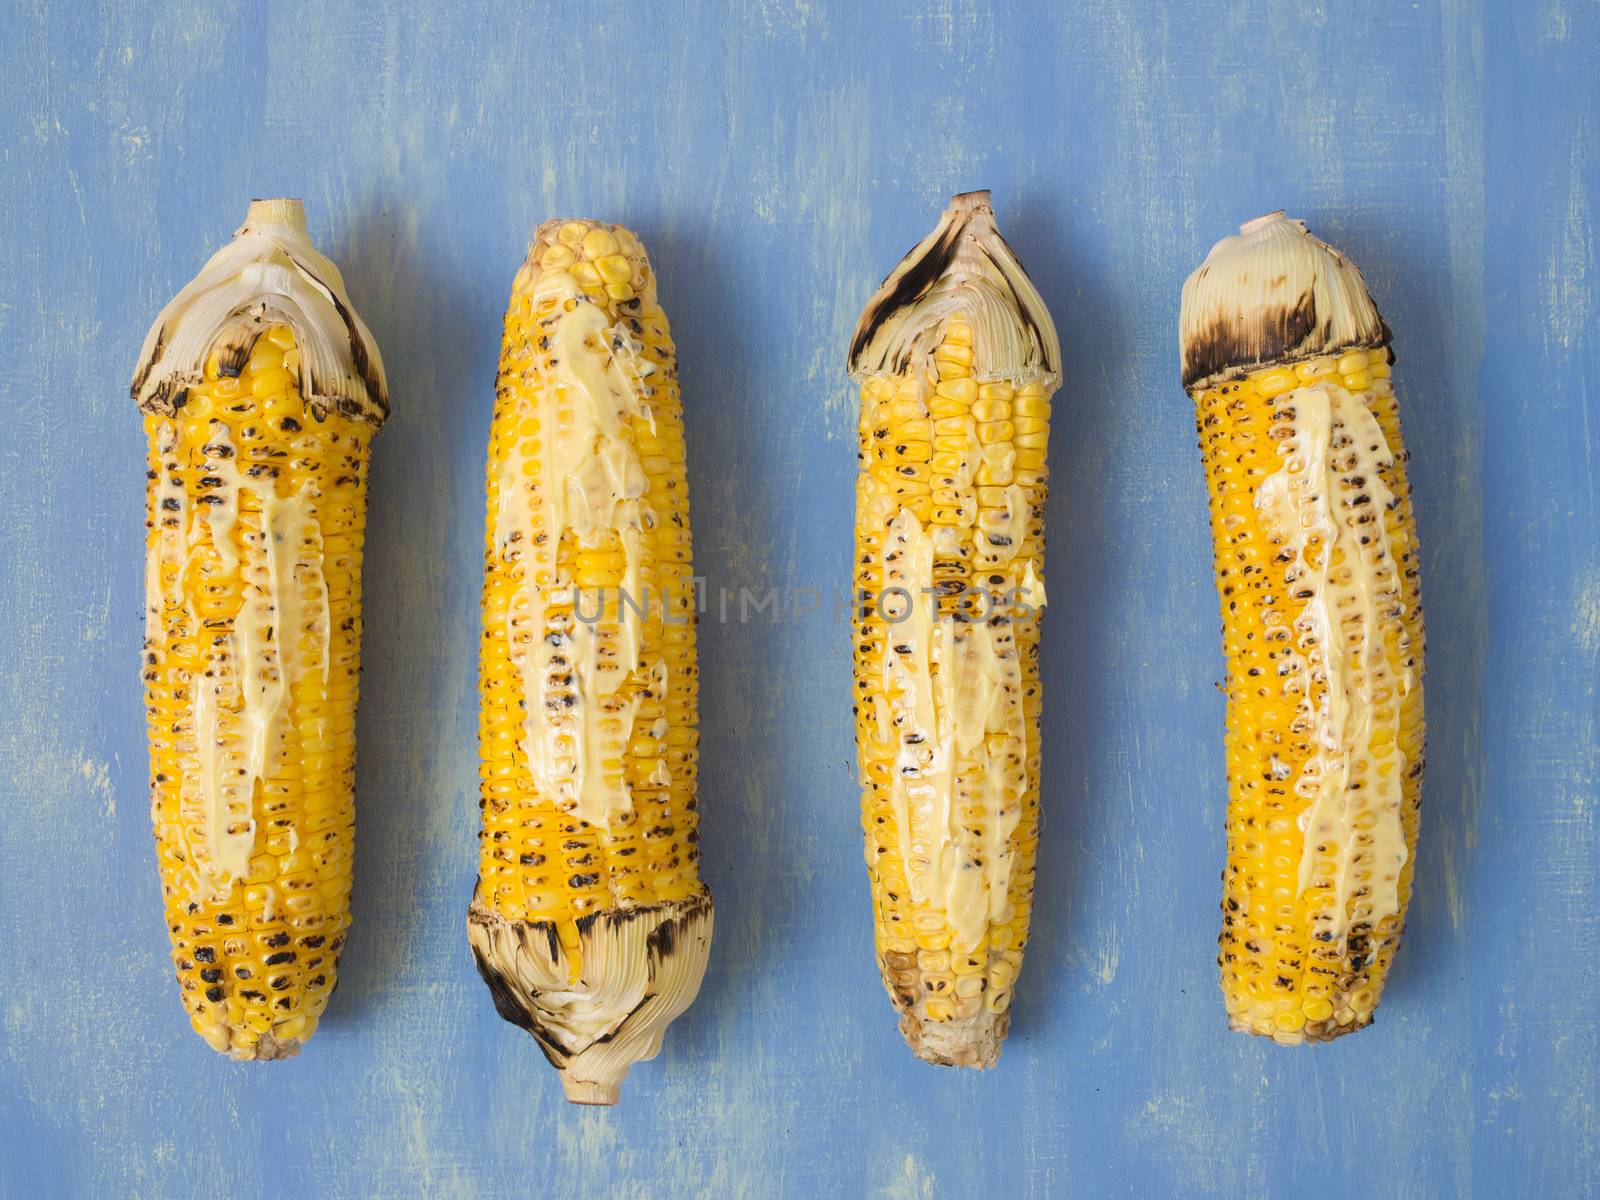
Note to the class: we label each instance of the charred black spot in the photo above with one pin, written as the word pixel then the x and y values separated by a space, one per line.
pixel 909 288
pixel 144 367
pixel 1280 336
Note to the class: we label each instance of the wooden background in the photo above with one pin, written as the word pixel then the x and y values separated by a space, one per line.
pixel 778 158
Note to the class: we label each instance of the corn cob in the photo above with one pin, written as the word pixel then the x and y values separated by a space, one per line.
pixel 261 390
pixel 1287 361
pixel 589 923
pixel 956 357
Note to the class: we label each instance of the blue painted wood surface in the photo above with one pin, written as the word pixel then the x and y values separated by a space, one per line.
pixel 778 158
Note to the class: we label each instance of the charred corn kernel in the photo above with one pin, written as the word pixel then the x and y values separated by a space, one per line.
pixel 1316 566
pixel 949 803
pixel 590 922
pixel 255 516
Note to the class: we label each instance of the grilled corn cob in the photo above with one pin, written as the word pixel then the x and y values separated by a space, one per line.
pixel 589 923
pixel 261 390
pixel 956 358
pixel 1287 361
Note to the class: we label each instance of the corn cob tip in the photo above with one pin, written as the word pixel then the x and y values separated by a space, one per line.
pixel 586 1091
pixel 963 270
pixel 596 1012
pixel 973 1043
pixel 269 274
pixel 270 1049
pixel 1273 294
pixel 1311 1033
pixel 285 211
pixel 606 260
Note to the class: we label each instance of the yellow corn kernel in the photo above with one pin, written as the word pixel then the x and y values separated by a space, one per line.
pixel 614 268
pixel 1275 381
pixel 1317 1009
pixel 273 382
pixel 963 390
pixel 598 244
pixel 557 257
pixel 994 432
pixel 1316 368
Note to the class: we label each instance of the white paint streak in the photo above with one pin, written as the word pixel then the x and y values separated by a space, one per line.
pixel 1568 293
pixel 908 1180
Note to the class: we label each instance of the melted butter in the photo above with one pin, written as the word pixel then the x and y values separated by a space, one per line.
pixel 1330 479
pixel 272 664
pixel 1004 530
pixel 1030 589
pixel 580 685
pixel 255 676
pixel 955 691
pixel 227 844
